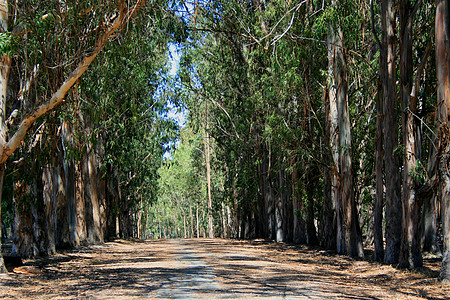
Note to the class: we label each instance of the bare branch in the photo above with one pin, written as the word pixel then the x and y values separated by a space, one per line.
pixel 278 37
pixel 415 88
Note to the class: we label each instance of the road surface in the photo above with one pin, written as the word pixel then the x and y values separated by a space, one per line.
pixel 211 269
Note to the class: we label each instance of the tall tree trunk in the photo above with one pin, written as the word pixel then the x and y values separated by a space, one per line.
pixel 69 183
pixel 96 233
pixel 280 216
pixel 393 200
pixel 5 67
pixel 334 144
pixel 208 176
pixel 299 222
pixel 442 34
pixel 2 176
pixel 378 207
pixel 50 201
pixel 139 220
pixel 429 216
pixel 184 225
pixel 410 254
pixel 224 222
pixel 191 217
pixel 328 225
pixel 349 233
pixel 80 204
pixel 26 226
pixel 311 232
pixel 197 225
pixel 63 238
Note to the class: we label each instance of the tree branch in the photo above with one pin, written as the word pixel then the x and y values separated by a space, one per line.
pixel 58 97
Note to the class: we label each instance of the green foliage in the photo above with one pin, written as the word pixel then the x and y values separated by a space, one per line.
pixel 181 189
pixel 8 44
pixel 419 173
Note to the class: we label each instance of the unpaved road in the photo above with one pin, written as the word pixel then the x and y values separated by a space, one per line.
pixel 214 269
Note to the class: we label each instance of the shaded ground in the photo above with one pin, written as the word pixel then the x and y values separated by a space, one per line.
pixel 205 269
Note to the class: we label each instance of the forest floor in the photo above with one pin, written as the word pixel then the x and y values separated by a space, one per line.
pixel 214 269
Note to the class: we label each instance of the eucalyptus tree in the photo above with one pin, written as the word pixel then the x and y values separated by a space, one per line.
pixel 28 22
pixel 415 49
pixel 393 196
pixel 124 96
pixel 349 239
pixel 262 66
pixel 49 46
pixel 403 215
pixel 443 106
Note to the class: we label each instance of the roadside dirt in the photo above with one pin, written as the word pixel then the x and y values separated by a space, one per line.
pixel 215 269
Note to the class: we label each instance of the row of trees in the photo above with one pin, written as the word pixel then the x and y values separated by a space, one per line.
pixel 316 122
pixel 80 174
pixel 326 122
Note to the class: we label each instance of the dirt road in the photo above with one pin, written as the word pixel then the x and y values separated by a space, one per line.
pixel 214 269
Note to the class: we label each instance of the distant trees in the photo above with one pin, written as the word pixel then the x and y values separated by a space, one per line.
pixel 181 210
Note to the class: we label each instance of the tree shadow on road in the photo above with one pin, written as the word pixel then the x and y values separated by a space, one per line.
pixel 214 269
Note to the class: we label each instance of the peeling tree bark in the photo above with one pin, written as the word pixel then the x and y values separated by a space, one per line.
pixel 349 237
pixel 442 34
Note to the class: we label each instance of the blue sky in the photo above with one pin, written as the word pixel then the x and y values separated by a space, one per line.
pixel 175 113
pixel 174 61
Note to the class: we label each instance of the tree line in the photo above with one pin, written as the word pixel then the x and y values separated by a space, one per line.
pixel 326 122
pixel 82 131
pixel 315 122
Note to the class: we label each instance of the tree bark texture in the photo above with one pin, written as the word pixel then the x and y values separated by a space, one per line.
pixel 393 198
pixel 379 197
pixel 328 225
pixel 49 197
pixel 442 35
pixel 95 229
pixel 349 234
pixel 429 223
pixel 5 67
pixel 24 225
pixel 208 177
pixel 280 219
pixel 410 254
pixel 2 263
